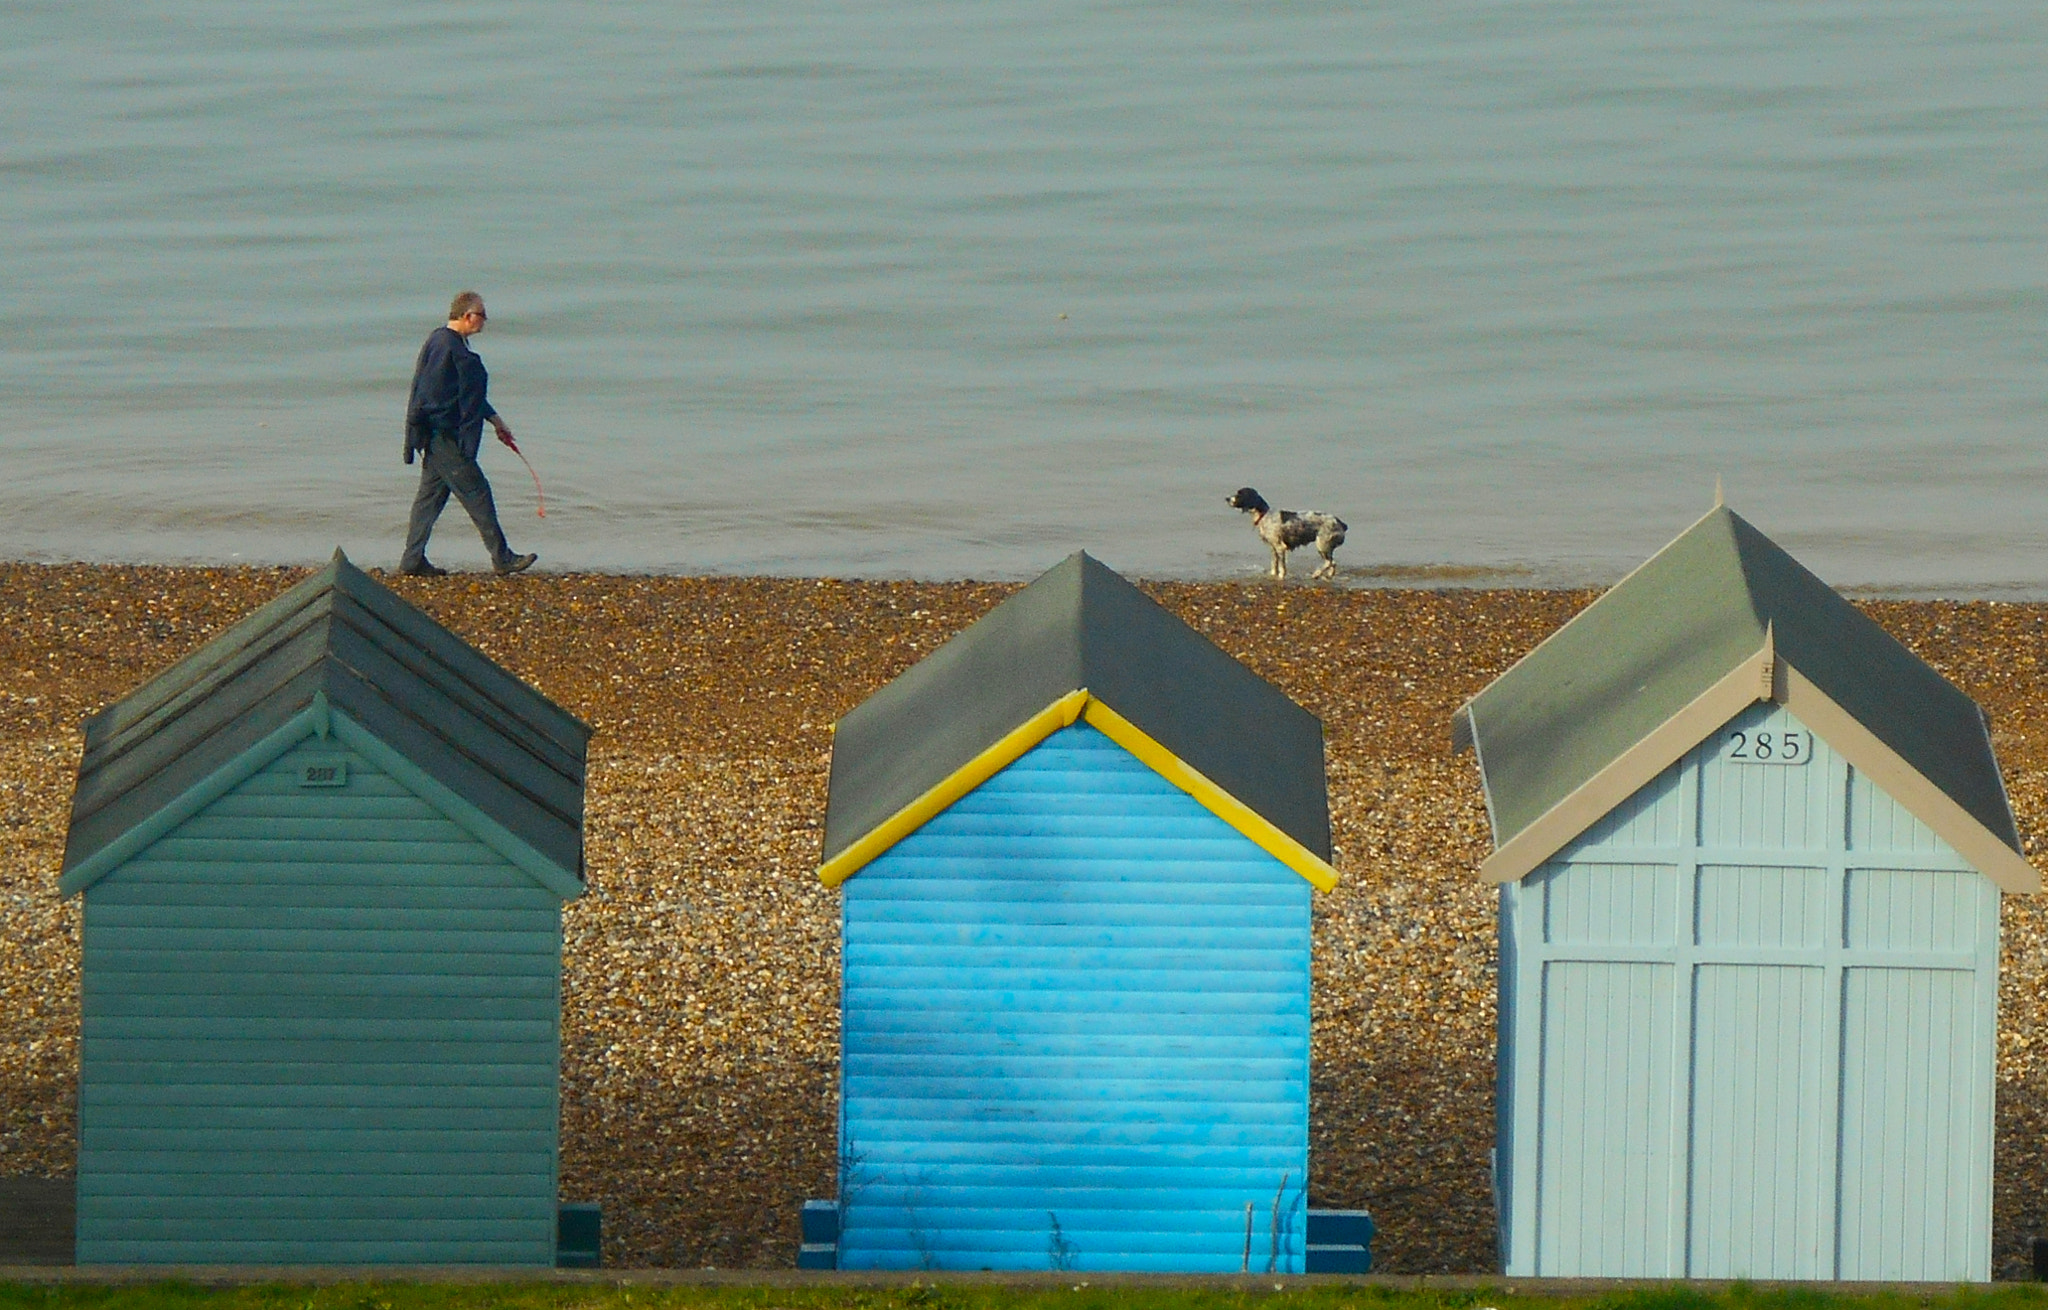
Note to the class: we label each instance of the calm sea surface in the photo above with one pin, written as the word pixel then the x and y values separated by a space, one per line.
pixel 945 289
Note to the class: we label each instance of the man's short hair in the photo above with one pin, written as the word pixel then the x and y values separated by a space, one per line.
pixel 464 302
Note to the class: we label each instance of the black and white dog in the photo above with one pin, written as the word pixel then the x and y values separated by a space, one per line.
pixel 1284 530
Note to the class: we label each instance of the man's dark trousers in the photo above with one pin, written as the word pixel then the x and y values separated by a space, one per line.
pixel 445 467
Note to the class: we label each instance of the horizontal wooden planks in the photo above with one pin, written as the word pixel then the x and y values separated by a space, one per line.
pixel 335 985
pixel 327 1216
pixel 208 1029
pixel 265 962
pixel 119 938
pixel 453 1122
pixel 308 1191
pixel 1077 993
pixel 935 1118
pixel 229 1169
pixel 173 1052
pixel 1021 1009
pixel 340 1002
pixel 1118 1199
pixel 970 885
pixel 212 1250
pixel 996 1040
pixel 1071 1144
pixel 320 1025
pixel 533 923
pixel 459 868
pixel 1155 1242
pixel 342 1095
pixel 1043 927
pixel 181 1066
pixel 317 1133
pixel 429 889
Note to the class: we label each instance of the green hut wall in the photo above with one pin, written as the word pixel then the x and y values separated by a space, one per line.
pixel 323 862
pixel 321 1025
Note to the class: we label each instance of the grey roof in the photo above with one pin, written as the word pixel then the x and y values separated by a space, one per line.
pixel 1675 627
pixel 468 724
pixel 1080 625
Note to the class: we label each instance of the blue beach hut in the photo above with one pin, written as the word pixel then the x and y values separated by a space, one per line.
pixel 323 861
pixel 1076 848
pixel 1750 851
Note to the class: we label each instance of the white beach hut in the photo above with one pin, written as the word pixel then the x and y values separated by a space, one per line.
pixel 1750 851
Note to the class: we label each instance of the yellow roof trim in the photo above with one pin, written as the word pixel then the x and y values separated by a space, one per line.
pixel 1211 797
pixel 1007 751
pixel 1063 713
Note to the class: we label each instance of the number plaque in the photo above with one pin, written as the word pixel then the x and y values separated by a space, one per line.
pixel 1768 746
pixel 323 773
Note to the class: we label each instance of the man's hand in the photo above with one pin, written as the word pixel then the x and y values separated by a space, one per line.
pixel 504 434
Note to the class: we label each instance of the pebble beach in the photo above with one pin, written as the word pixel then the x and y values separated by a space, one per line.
pixel 700 1020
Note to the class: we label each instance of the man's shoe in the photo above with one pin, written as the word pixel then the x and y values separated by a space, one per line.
pixel 425 570
pixel 517 564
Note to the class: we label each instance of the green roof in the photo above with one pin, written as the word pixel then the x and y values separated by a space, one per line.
pixel 1079 626
pixel 477 730
pixel 1675 627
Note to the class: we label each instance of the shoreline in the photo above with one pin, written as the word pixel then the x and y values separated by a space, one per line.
pixel 700 1126
pixel 1511 577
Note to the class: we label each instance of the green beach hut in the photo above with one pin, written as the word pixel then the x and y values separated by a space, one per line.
pixel 1751 851
pixel 323 861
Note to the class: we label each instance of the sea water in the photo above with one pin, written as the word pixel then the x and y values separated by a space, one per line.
pixel 950 289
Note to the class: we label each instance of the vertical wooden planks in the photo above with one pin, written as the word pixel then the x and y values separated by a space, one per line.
pixel 1653 817
pixel 1605 1168
pixel 1909 1180
pixel 1918 1027
pixel 1879 823
pixel 1833 968
pixel 1915 909
pixel 1758 1164
pixel 1588 904
pixel 1750 805
pixel 1738 905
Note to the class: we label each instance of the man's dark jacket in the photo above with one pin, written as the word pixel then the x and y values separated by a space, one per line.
pixel 449 387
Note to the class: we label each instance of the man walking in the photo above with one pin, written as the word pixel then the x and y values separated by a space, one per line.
pixel 444 426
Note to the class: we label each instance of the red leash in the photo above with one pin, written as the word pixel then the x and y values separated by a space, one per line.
pixel 539 495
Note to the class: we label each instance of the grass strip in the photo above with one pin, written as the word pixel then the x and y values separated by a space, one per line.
pixel 1081 1293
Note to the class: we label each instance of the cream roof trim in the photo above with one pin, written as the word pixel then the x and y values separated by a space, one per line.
pixel 1743 686
pixel 1906 785
pixel 1763 676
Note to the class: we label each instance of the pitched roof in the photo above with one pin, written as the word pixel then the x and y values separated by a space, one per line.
pixel 1080 626
pixel 1720 618
pixel 338 639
